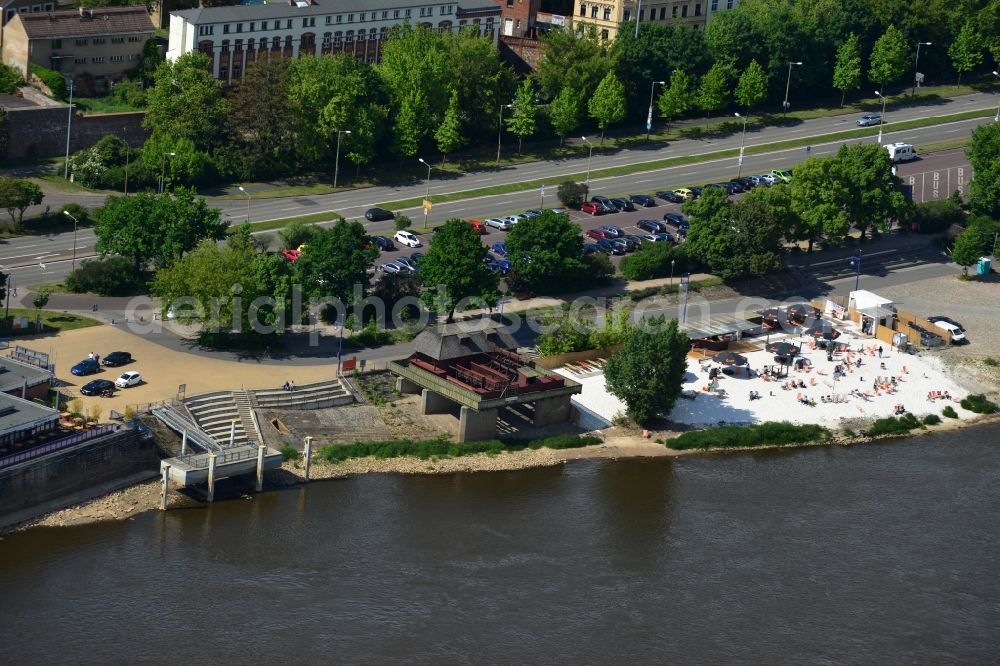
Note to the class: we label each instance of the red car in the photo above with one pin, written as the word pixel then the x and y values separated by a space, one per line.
pixel 291 255
pixel 595 233
pixel 592 208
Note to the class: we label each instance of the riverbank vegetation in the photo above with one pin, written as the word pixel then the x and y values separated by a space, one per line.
pixel 442 447
pixel 894 425
pixel 979 404
pixel 774 433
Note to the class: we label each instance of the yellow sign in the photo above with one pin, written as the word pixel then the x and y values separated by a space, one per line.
pixel 427 205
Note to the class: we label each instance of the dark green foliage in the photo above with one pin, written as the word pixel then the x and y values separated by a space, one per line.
pixel 931 419
pixel 112 276
pixel 545 253
pixel 934 217
pixel 950 412
pixel 295 234
pixel 454 268
pixel 893 425
pixel 990 361
pixel 597 271
pixel 54 80
pixel 336 263
pixel 443 448
pixel 652 261
pixel 773 433
pixel 372 335
pixel 403 222
pixel 10 79
pixel 290 453
pixel 979 404
pixel 129 92
pixel 572 194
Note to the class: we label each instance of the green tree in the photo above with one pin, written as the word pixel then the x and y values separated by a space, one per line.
pixel 875 198
pixel 454 268
pixel 819 199
pixel 564 113
pixel 449 136
pixel 574 59
pixel 847 70
pixel 186 102
pixel 572 194
pixel 178 159
pixel 260 111
pixel 890 57
pixel 10 79
pixel 983 152
pixel 966 52
pixel 677 98
pixel 607 105
pixel 336 263
pixel 523 121
pixel 296 233
pixel 16 195
pixel 410 126
pixel 713 92
pixel 545 253
pixel 649 389
pixel 752 86
pixel 655 260
pixel 658 48
pixel 40 300
pixel 971 244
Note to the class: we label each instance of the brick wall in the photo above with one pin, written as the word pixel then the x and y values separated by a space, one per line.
pixel 521 53
pixel 41 132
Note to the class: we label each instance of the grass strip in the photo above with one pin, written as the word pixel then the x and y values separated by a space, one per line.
pixel 772 433
pixel 52 322
pixel 442 447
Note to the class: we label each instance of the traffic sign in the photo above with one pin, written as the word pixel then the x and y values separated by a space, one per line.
pixel 427 205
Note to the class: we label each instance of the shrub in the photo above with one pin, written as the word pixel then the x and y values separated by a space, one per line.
pixel 113 276
pixel 931 419
pixel 52 80
pixel 652 261
pixel 289 452
pixel 10 79
pixel 79 212
pixel 571 194
pixel 893 425
pixel 992 362
pixel 129 92
pixel 370 336
pixel 772 433
pixel 950 412
pixel 403 222
pixel 848 432
pixel 296 233
pixel 443 448
pixel 934 217
pixel 979 404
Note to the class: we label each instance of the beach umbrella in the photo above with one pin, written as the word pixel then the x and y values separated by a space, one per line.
pixel 783 348
pixel 799 312
pixel 730 358
pixel 783 360
pixel 773 317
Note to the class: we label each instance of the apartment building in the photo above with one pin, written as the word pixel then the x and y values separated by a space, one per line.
pixel 609 15
pixel 234 36
pixel 11 8
pixel 100 44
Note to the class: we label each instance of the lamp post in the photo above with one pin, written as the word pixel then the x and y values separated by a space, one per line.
pixel 427 189
pixel 336 161
pixel 652 87
pixel 916 62
pixel 163 168
pixel 743 137
pixel 638 15
pixel 788 84
pixel 69 124
pixel 248 202
pixel 856 262
pixel 72 265
pixel 996 118
pixel 589 157
pixel 500 131
pixel 685 282
pixel 672 272
pixel 881 118
pixel 128 149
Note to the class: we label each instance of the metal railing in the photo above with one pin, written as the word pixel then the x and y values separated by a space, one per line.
pixel 171 418
pixel 200 460
pixel 57 445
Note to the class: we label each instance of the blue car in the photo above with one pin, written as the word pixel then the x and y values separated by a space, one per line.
pixel 87 366
pixel 499 248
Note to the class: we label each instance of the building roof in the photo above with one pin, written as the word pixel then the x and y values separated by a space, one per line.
pixel 280 10
pixel 97 22
pixel 17 414
pixel 463 339
pixel 13 374
pixel 864 300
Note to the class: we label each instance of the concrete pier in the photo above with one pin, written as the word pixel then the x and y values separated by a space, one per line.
pixel 309 447
pixel 434 403
pixel 211 477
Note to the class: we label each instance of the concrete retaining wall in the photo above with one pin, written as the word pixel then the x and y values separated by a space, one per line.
pixel 41 132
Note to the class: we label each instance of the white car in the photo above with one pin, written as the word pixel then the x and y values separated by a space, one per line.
pixel 516 217
pixel 406 238
pixel 768 178
pixel 501 223
pixel 130 378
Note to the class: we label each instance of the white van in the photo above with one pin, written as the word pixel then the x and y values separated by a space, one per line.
pixel 957 335
pixel 901 152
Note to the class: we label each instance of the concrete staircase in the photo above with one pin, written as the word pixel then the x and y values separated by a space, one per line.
pixel 215 413
pixel 320 395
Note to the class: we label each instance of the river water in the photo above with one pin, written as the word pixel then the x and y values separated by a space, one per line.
pixel 880 554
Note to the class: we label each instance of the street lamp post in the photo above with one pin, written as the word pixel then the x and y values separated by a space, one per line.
pixel 743 137
pixel 163 168
pixel 72 265
pixel 652 88
pixel 500 131
pixel 248 202
pixel 788 84
pixel 589 157
pixel 881 118
pixel 996 118
pixel 69 124
pixel 336 161
pixel 427 189
pixel 916 62
pixel 856 262
pixel 128 149
pixel 672 272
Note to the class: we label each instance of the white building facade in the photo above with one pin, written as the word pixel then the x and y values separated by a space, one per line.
pixel 236 35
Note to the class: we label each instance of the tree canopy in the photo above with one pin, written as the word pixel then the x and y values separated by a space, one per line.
pixel 607 104
pixel 454 268
pixel 336 262
pixel 16 195
pixel 545 253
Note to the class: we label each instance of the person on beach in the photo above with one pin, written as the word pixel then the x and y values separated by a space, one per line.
pixel 880 351
pixel 284 387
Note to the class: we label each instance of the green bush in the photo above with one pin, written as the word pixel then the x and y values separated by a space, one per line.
pixel 370 336
pixel 979 404
pixel 934 217
pixel 990 361
pixel 129 92
pixel 295 233
pixel 652 261
pixel 54 80
pixel 290 453
pixel 113 276
pixel 443 448
pixel 10 79
pixel 773 433
pixel 572 194
pixel 932 419
pixel 950 412
pixel 893 425
pixel 403 222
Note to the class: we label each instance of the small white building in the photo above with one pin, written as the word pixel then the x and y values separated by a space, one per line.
pixel 235 35
pixel 875 310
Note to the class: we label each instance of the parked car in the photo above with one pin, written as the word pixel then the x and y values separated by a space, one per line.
pixel 956 331
pixel 87 366
pixel 685 193
pixel 130 378
pixel 592 208
pixel 664 237
pixel 407 239
pixel 516 217
pixel 869 119
pixel 383 243
pixel 590 248
pixel 634 238
pixel 623 204
pixel 501 266
pixel 407 262
pixel 610 247
pixel 720 186
pixel 696 190
pixel 677 220
pixel 936 318
pixel 643 200
pixel 479 227
pixel 116 358
pixel 652 226
pixel 390 267
pixel 500 223
pixel 672 197
pixel 611 231
pixel 743 181
pixel 499 249
pixel 98 387
pixel 763 180
pixel 416 257
pixel 595 233
pixel 532 214
pixel 379 214
pixel 609 205
pixel 783 175
pixel 626 244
